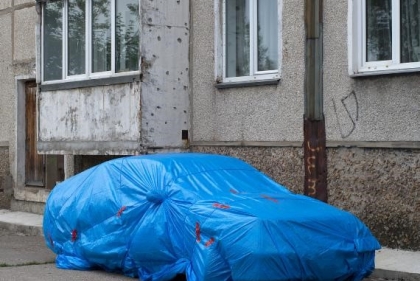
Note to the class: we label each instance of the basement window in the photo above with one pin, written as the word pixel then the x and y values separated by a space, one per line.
pixel 84 39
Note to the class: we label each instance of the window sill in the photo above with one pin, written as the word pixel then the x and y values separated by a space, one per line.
pixel 226 85
pixel 384 71
pixel 90 83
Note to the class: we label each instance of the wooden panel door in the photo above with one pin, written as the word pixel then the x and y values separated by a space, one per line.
pixel 34 162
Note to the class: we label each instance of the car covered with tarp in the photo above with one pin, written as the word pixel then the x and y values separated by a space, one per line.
pixel 210 217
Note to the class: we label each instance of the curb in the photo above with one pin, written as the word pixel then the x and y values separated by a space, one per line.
pixel 20 228
pixel 21 222
pixel 395 275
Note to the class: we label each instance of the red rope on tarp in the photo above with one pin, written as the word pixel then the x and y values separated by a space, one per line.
pixel 269 198
pixel 221 206
pixel 120 211
pixel 73 235
pixel 197 232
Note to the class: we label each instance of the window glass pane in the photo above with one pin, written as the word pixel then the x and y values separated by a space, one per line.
pixel 237 38
pixel 378 30
pixel 410 30
pixel 76 36
pixel 101 35
pixel 267 27
pixel 127 35
pixel 53 38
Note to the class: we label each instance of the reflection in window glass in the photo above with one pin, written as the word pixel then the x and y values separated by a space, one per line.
pixel 237 38
pixel 53 38
pixel 410 30
pixel 378 30
pixel 267 27
pixel 76 37
pixel 101 35
pixel 126 35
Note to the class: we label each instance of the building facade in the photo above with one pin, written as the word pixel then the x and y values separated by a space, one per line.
pixel 17 65
pixel 107 79
pixel 372 108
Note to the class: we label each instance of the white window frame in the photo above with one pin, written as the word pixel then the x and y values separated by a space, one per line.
pixel 358 66
pixel 88 49
pixel 220 46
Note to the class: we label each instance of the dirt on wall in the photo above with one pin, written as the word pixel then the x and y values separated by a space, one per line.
pixel 5 179
pixel 380 186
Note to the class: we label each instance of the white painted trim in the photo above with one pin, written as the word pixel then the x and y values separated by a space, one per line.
pixel 94 76
pixel 88 42
pixel 223 39
pixel 358 66
pixel 351 29
pixel 140 20
pixel 396 36
pixel 280 37
pixel 113 37
pixel 262 77
pixel 253 39
pixel 65 45
pixel 218 41
pixel 361 35
pixel 88 49
pixel 220 47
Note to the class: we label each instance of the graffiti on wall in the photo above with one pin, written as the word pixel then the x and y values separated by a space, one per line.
pixel 347 119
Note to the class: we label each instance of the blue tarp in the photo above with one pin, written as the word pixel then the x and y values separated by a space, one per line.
pixel 211 217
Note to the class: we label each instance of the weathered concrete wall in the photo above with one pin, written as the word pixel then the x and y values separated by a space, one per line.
pixel 165 33
pixel 5 178
pixel 380 186
pixel 378 108
pixel 96 120
pixel 129 118
pixel 6 73
pixel 17 59
pixel 263 113
pixel 385 108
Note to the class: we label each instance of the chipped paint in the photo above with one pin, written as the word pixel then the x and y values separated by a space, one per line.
pixel 131 118
pixel 88 115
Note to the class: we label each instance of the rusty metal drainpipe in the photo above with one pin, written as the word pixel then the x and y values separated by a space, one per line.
pixel 315 156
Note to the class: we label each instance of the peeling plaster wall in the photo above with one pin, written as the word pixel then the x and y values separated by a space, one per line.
pixel 73 120
pixel 141 117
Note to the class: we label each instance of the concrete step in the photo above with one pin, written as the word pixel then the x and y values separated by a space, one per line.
pixel 21 222
pixel 391 264
pixel 394 264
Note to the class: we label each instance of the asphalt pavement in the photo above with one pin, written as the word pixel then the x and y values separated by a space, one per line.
pixel 24 257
